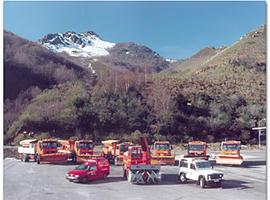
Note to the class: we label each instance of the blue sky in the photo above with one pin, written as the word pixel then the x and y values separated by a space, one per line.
pixel 173 29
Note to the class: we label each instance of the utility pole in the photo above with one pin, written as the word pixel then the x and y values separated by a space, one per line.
pixel 260 128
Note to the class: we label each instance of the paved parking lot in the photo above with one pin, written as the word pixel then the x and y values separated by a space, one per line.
pixel 26 181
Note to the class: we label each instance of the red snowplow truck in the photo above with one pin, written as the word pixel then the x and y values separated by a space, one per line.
pixel 42 151
pixel 230 153
pixel 196 149
pixel 79 150
pixel 137 167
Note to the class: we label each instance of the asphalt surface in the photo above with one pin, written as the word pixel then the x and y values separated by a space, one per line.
pixel 26 181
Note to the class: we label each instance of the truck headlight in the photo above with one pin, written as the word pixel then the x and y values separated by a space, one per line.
pixel 220 175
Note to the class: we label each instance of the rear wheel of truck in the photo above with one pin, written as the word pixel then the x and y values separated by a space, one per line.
pixel 124 173
pixel 182 178
pixel 115 161
pixel 218 184
pixel 74 159
pixel 38 159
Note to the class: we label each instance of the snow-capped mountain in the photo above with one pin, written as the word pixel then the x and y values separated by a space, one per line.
pixel 85 44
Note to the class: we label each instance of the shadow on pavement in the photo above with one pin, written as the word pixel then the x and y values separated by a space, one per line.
pixel 230 184
pixel 250 164
pixel 104 181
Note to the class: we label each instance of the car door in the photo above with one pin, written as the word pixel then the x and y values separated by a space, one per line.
pixel 93 175
pixel 191 172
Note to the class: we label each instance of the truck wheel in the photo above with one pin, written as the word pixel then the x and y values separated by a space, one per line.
pixel 124 173
pixel 115 161
pixel 218 184
pixel 25 158
pixel 74 159
pixel 182 178
pixel 38 159
pixel 202 182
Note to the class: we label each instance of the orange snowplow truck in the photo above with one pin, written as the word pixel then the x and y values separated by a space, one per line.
pixel 113 150
pixel 137 167
pixel 79 150
pixel 230 153
pixel 196 149
pixel 41 151
pixel 161 153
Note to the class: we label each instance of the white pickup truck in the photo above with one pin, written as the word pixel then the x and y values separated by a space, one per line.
pixel 200 171
pixel 27 150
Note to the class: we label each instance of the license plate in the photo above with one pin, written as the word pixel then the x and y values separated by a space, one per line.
pixel 216 180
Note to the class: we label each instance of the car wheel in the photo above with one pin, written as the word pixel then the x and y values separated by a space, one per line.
pixel 202 182
pixel 84 180
pixel 182 178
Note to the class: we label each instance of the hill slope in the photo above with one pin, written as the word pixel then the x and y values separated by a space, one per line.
pixel 28 64
pixel 237 69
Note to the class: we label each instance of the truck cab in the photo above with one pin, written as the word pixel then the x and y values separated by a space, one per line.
pixel 162 153
pixel 200 171
pixel 162 148
pixel 114 150
pixel 93 169
pixel 230 153
pixel 47 151
pixel 231 147
pixel 197 149
pixel 84 147
pixel 137 168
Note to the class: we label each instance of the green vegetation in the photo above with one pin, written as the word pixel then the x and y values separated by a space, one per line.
pixel 222 96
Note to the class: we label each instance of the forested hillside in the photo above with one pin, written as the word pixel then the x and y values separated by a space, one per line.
pixel 217 93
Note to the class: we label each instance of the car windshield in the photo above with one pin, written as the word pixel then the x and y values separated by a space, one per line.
pixel 197 147
pixel 49 144
pixel 231 146
pixel 162 146
pixel 203 165
pixel 82 167
pixel 85 145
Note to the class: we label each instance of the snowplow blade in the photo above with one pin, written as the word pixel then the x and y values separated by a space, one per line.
pixel 56 157
pixel 85 158
pixel 229 159
pixel 163 160
pixel 144 174
pixel 206 157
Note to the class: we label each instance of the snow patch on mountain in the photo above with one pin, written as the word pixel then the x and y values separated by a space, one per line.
pixel 86 44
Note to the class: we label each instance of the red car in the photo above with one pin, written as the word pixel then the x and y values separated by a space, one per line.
pixel 93 169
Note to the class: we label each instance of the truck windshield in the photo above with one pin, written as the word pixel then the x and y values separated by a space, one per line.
pixel 162 146
pixel 136 153
pixel 82 167
pixel 193 147
pixel 85 145
pixel 231 146
pixel 49 144
pixel 124 147
pixel 203 165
